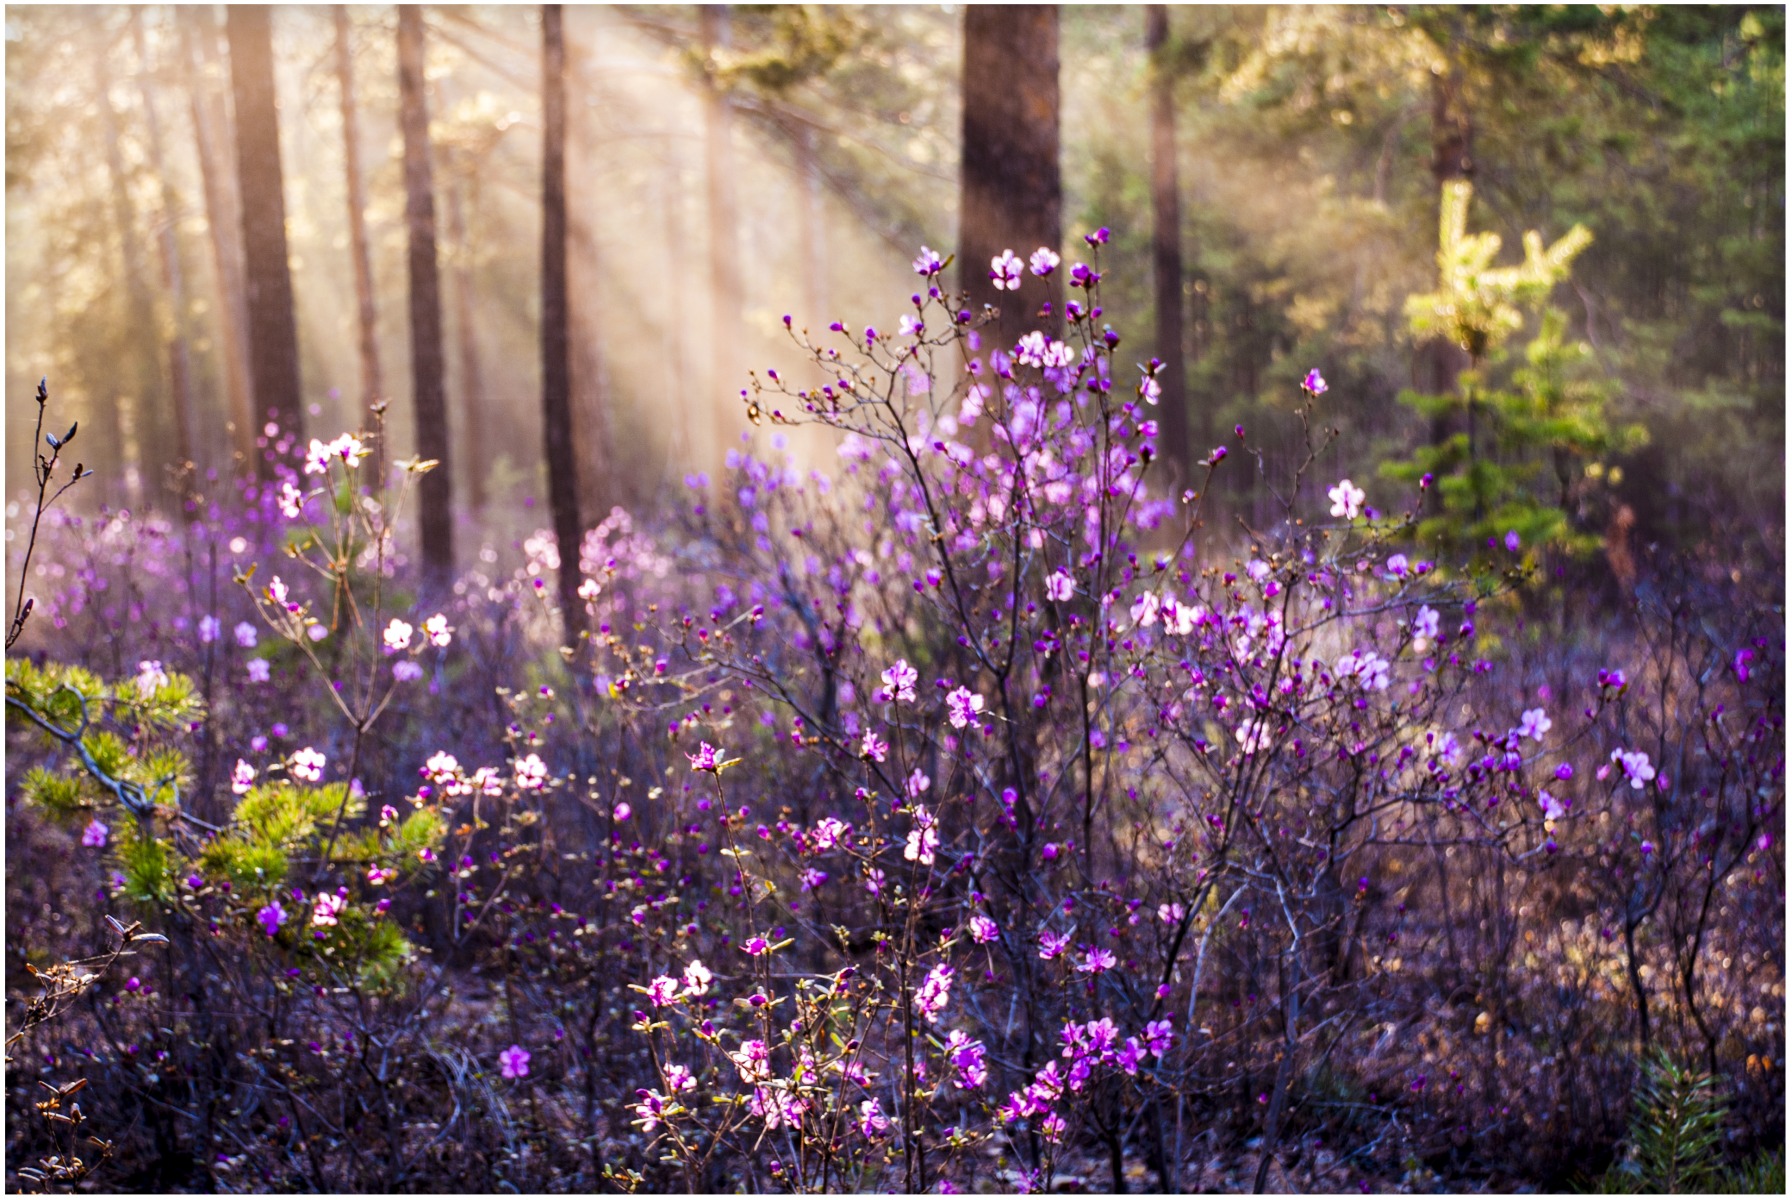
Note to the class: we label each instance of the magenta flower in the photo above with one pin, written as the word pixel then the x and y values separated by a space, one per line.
pixel 899 682
pixel 514 1062
pixel 1314 383
pixel 95 833
pixel 271 916
pixel 707 758
pixel 1097 961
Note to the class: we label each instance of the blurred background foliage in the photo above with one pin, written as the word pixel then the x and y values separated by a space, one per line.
pixel 1312 144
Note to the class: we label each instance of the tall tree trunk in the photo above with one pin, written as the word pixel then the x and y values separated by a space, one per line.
pixel 1011 194
pixel 119 417
pixel 435 492
pixel 223 218
pixel 174 284
pixel 556 357
pixel 273 328
pixel 373 388
pixel 814 228
pixel 725 293
pixel 600 483
pixel 475 426
pixel 1166 251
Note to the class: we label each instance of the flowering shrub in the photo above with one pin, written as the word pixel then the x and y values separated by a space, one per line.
pixel 969 815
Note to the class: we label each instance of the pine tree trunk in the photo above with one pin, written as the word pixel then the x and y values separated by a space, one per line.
pixel 223 218
pixel 273 328
pixel 599 484
pixel 435 492
pixel 373 387
pixel 556 357
pixel 174 285
pixel 1166 253
pixel 1011 194
pixel 724 251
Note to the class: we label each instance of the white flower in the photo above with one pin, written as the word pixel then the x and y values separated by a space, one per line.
pixel 397 636
pixel 307 764
pixel 1058 585
pixel 438 631
pixel 1043 261
pixel 1347 500
pixel 329 905
pixel 531 773
pixel 242 777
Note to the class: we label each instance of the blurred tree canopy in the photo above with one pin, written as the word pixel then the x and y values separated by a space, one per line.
pixel 1311 142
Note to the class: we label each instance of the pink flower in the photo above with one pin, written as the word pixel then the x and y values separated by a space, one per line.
pixel 923 839
pixel 873 747
pixel 982 929
pixel 1553 809
pixel 872 1121
pixel 376 875
pixel 514 1062
pixel 242 777
pixel 1314 383
pixel 95 833
pixel 962 707
pixel 1059 585
pixel 327 909
pixel 438 631
pixel 928 262
pixel 679 1078
pixel 1043 261
pixel 1636 766
pixel 918 782
pixel 271 916
pixel 1157 1037
pixel 150 676
pixel 651 1110
pixel 899 682
pixel 1051 945
pixel 934 991
pixel 245 635
pixel 697 978
pixel 1534 724
pixel 1005 270
pixel 663 991
pixel 1098 960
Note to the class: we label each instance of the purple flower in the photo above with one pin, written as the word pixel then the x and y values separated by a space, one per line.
pixel 899 682
pixel 1005 270
pixel 271 916
pixel 1314 383
pixel 514 1062
pixel 95 833
pixel 1512 542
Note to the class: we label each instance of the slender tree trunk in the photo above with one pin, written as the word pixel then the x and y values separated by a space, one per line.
pixel 119 417
pixel 599 481
pixel 556 356
pixel 174 284
pixel 725 294
pixel 476 459
pixel 373 388
pixel 1166 251
pixel 273 328
pixel 223 218
pixel 814 228
pixel 435 492
pixel 1011 194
